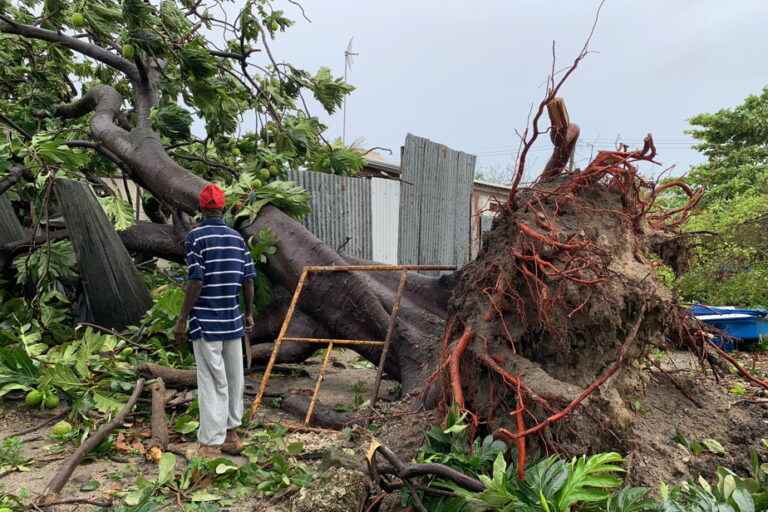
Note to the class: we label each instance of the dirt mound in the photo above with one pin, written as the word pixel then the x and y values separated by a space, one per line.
pixel 665 418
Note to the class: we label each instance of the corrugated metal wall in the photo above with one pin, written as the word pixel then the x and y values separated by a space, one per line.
pixel 435 203
pixel 341 211
pixel 385 216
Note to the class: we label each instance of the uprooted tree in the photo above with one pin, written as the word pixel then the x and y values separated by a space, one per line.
pixel 563 295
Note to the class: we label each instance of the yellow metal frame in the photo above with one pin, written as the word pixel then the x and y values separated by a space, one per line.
pixel 403 269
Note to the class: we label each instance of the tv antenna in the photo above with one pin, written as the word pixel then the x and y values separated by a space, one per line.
pixel 348 59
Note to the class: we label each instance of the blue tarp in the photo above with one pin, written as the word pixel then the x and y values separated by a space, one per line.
pixel 741 324
pixel 701 309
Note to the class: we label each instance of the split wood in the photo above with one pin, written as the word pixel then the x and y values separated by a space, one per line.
pixel 159 423
pixel 61 477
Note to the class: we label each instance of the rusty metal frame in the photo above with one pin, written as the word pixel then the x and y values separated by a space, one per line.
pixel 403 269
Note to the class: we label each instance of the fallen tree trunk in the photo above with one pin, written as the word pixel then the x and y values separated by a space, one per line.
pixel 530 325
pixel 322 416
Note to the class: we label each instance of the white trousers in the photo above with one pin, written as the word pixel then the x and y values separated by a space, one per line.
pixel 219 388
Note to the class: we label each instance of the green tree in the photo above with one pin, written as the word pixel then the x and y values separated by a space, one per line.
pixel 95 88
pixel 731 264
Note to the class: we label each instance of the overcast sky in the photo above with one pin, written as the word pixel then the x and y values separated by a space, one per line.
pixel 466 73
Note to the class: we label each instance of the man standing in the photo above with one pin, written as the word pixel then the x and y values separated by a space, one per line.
pixel 220 265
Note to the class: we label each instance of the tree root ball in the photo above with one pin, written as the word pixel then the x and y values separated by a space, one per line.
pixel 548 323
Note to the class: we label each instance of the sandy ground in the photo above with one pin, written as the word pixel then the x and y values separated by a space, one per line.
pixel 732 412
pixel 347 380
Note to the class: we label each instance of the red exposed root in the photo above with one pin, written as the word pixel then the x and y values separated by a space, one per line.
pixel 744 373
pixel 455 366
pixel 520 423
pixel 532 233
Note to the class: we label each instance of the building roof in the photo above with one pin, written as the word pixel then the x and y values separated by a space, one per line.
pixel 491 187
pixel 376 167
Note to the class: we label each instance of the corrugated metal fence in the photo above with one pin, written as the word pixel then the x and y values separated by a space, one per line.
pixel 385 217
pixel 341 211
pixel 435 207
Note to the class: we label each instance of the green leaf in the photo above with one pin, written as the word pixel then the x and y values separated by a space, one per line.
pixel 455 429
pixel 166 468
pixel 589 480
pixel 704 484
pixel 713 446
pixel 172 121
pixel 90 485
pixel 743 501
pixel 106 404
pixel 134 497
pixel 499 470
pixel 185 425
pixel 225 468
pixel 7 388
pixel 203 496
pixel 119 211
pixel 294 448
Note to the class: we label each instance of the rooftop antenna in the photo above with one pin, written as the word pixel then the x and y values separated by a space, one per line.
pixel 348 59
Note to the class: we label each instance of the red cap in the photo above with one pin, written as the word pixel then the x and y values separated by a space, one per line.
pixel 211 197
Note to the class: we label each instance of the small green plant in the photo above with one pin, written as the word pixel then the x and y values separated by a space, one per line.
pixel 362 364
pixel 11 455
pixel 761 345
pixel 738 389
pixel 697 447
pixel 550 485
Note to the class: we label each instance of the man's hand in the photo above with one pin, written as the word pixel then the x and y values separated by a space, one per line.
pixel 249 324
pixel 180 332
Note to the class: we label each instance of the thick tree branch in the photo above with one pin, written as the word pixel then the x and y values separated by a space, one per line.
pixel 10 122
pixel 140 149
pixel 11 250
pixel 106 153
pixel 113 60
pixel 155 239
pixel 16 173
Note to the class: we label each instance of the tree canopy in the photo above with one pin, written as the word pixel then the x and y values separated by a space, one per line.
pixel 171 64
pixel 169 95
pixel 731 266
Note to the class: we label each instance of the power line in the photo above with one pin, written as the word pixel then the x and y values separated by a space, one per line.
pixel 602 141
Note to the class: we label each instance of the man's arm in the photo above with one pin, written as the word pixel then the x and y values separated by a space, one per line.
pixel 192 292
pixel 249 274
pixel 248 296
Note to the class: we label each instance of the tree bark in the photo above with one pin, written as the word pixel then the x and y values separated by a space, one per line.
pixel 117 295
pixel 158 420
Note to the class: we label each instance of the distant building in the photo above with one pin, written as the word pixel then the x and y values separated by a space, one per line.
pixel 484 201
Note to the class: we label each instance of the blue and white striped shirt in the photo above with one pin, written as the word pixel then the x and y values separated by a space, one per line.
pixel 218 256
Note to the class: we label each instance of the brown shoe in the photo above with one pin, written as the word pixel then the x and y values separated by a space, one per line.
pixel 232 444
pixel 208 452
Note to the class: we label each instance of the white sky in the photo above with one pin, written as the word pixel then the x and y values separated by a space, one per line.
pixel 466 73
